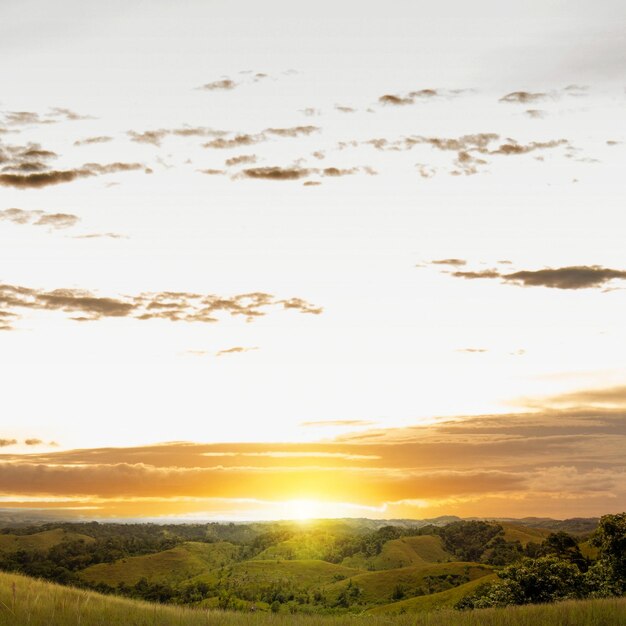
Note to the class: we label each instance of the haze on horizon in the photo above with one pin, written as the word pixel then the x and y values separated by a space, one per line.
pixel 247 249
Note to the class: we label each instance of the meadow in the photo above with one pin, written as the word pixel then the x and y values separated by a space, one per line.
pixel 28 602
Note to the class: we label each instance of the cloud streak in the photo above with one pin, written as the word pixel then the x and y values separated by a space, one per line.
pixel 173 306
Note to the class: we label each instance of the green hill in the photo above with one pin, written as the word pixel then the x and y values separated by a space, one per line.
pixel 172 566
pixel 306 574
pixel 304 546
pixel 524 534
pixel 435 601
pixel 26 601
pixel 40 541
pixel 382 586
pixel 404 552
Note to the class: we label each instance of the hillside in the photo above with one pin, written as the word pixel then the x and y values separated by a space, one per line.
pixel 434 601
pixel 382 586
pixel 172 566
pixel 40 541
pixel 404 552
pixel 36 603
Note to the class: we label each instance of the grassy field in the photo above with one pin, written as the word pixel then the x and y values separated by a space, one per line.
pixel 404 552
pixel 40 541
pixel 379 587
pixel 523 534
pixel 29 602
pixel 180 563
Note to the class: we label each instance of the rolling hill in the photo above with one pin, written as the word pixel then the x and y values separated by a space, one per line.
pixel 40 541
pixel 173 566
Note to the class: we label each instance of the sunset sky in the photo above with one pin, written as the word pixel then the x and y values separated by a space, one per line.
pixel 275 260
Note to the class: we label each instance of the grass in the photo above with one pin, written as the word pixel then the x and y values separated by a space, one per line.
pixel 304 574
pixel 29 602
pixel 404 552
pixel 523 534
pixel 377 587
pixel 172 566
pixel 433 601
pixel 40 541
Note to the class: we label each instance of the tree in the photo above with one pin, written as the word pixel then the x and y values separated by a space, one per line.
pixel 610 538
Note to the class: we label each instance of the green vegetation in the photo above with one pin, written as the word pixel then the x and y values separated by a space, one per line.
pixel 28 602
pixel 327 568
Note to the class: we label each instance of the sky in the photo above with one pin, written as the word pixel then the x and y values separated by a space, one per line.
pixel 245 247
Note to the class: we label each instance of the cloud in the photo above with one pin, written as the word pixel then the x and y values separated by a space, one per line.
pixel 57 220
pixel 172 306
pixel 575 277
pixel 221 143
pixel 512 147
pixel 235 350
pixel 243 159
pixel 20 118
pixel 93 140
pixel 473 350
pixel 395 100
pixel 478 274
pixel 604 397
pixel 56 177
pixel 344 109
pixel 155 137
pixel 101 236
pixel 572 277
pixel 296 131
pixel 523 97
pixel 33 442
pixel 224 84
pixel 7 442
pixel 453 262
pixel 212 172
pixel 337 423
pixel 536 113
pixel 276 173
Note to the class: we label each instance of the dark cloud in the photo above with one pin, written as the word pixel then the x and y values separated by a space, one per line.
pixel 33 442
pixel 43 179
pixel 224 84
pixel 336 172
pixel 573 277
pixel 7 442
pixel 243 159
pixel 56 177
pixel 93 140
pixel 276 173
pixel 172 306
pixel 523 97
pixel 395 100
pixel 453 262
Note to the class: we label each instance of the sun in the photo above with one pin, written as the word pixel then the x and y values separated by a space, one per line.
pixel 303 510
